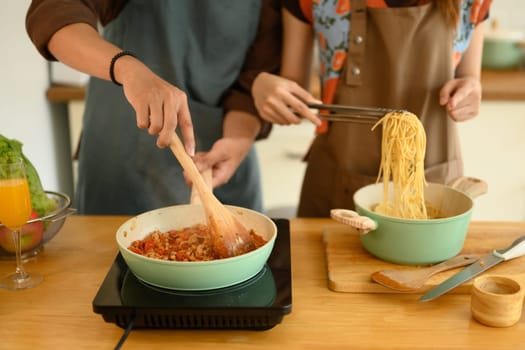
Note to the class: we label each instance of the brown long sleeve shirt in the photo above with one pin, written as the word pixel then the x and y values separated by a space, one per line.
pixel 45 17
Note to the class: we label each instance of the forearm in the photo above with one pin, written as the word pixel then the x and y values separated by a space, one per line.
pixel 43 19
pixel 297 50
pixel 159 106
pixel 470 64
pixel 241 125
pixel 264 55
pixel 81 47
pixel 281 99
pixel 462 95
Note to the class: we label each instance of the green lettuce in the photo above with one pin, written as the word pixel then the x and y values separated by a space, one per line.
pixel 12 149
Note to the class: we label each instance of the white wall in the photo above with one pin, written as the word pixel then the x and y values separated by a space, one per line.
pixel 509 14
pixel 25 113
pixel 493 150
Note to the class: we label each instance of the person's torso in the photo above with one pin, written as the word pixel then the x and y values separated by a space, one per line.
pixel 394 60
pixel 384 68
pixel 198 46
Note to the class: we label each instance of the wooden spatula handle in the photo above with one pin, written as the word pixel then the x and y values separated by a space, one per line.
pixel 190 168
pixel 207 176
pixel 457 261
pixel 410 280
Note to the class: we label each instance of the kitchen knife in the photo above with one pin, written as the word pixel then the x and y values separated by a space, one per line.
pixel 516 249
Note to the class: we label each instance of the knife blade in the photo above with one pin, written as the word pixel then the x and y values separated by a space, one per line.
pixel 516 249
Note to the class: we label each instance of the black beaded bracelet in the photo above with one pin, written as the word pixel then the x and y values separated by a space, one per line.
pixel 112 64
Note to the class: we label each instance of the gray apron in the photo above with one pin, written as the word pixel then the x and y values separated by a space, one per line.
pixel 387 68
pixel 198 46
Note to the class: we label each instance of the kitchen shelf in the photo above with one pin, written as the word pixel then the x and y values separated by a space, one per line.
pixel 506 85
pixel 497 85
pixel 65 93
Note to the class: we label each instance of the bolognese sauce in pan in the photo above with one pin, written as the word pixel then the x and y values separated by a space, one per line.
pixel 194 243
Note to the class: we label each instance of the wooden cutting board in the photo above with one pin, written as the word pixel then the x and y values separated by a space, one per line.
pixel 350 266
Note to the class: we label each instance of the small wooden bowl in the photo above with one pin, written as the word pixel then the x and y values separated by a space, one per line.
pixel 496 301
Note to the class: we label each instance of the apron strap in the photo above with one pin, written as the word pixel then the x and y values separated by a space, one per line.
pixel 356 44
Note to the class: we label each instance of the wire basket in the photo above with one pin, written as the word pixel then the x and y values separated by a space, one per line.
pixel 43 229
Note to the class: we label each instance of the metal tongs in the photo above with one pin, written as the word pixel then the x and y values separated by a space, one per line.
pixel 340 113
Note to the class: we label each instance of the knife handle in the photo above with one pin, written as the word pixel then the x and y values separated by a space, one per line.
pixel 516 249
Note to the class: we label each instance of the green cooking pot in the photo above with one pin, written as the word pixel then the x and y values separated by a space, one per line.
pixel 414 242
pixel 503 49
pixel 200 275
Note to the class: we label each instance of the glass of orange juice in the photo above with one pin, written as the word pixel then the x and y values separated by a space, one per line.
pixel 15 209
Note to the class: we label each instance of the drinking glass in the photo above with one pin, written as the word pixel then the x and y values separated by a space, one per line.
pixel 15 209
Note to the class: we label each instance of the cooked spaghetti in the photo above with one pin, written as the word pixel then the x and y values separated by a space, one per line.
pixel 402 166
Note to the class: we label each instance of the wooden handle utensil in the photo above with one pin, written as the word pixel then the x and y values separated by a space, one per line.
pixel 231 237
pixel 411 280
pixel 194 196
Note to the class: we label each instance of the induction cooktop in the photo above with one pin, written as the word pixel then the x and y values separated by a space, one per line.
pixel 259 303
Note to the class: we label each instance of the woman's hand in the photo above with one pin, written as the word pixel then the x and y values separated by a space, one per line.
pixel 462 98
pixel 240 130
pixel 224 158
pixel 159 106
pixel 282 101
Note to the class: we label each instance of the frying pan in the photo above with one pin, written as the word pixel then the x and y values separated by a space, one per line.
pixel 200 275
pixel 410 241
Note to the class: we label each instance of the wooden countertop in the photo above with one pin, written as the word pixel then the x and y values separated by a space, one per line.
pixel 497 85
pixel 503 85
pixel 58 314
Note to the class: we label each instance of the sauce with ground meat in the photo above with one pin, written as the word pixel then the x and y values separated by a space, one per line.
pixel 193 243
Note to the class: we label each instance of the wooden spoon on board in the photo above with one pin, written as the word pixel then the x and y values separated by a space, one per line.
pixel 231 238
pixel 411 280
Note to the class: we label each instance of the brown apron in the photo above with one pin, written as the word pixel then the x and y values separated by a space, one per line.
pixel 397 58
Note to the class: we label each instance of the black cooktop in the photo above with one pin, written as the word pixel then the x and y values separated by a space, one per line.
pixel 259 303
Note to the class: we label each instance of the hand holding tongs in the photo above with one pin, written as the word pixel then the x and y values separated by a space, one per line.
pixel 340 113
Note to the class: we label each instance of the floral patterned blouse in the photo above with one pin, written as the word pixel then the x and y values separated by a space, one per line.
pixel 331 22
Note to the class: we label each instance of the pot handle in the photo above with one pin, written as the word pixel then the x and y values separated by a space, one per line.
pixel 471 186
pixel 362 224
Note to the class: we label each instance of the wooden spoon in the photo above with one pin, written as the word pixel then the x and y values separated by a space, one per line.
pixel 405 280
pixel 231 238
pixel 194 196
